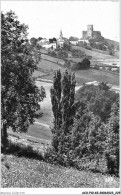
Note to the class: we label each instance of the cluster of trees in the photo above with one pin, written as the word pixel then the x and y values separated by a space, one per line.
pixel 73 38
pixel 85 45
pixel 20 96
pixel 101 44
pixel 85 125
pixel 59 54
pixel 76 53
pixel 34 42
pixel 52 40
pixel 84 64
pixel 67 48
pixel 111 49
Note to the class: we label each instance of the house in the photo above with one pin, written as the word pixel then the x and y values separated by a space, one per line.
pixel 42 41
pixel 73 42
pixel 84 41
pixel 46 44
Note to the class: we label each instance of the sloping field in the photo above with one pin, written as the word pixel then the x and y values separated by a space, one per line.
pixel 30 173
pixel 96 75
pixel 42 50
pixel 49 66
pixel 83 76
pixel 94 54
pixel 52 59
pixel 40 132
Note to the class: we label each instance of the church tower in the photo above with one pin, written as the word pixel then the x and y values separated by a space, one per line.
pixel 61 35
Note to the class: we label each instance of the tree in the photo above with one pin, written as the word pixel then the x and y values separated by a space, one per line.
pixel 67 64
pixel 112 140
pixel 96 138
pixel 85 64
pixel 54 39
pixel 111 49
pixel 62 98
pixel 79 132
pixel 99 99
pixel 39 38
pixel 19 94
pixel 73 38
pixel 67 46
pixel 50 40
pixel 62 54
pixel 33 41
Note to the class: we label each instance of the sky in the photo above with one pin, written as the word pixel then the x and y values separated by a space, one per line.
pixel 46 18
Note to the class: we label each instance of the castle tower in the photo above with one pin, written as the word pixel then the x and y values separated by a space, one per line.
pixel 90 31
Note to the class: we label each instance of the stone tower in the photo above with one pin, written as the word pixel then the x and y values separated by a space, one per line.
pixel 90 31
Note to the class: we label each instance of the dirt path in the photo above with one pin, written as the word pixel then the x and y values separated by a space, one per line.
pixel 45 125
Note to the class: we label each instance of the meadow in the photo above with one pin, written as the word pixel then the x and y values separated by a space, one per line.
pixel 31 173
pixel 52 59
pixel 83 76
pixel 96 54
pixel 49 64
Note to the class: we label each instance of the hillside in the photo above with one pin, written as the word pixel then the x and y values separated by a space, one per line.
pixel 48 65
pixel 30 173
pixel 96 54
pixel 112 42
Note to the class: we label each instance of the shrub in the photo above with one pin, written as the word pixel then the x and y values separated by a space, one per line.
pixel 85 64
pixel 20 149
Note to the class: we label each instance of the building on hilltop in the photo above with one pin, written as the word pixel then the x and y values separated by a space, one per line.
pixel 90 33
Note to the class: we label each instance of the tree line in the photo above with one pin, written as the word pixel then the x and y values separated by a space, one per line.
pixel 86 125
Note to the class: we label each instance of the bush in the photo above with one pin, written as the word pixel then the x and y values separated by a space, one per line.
pixel 20 150
pixel 76 53
pixel 85 64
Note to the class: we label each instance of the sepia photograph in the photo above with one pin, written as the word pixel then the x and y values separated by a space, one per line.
pixel 60 97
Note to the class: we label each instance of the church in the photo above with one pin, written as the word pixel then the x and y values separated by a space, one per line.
pixel 60 41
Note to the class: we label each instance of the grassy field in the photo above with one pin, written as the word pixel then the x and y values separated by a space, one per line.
pixel 40 131
pixel 49 66
pixel 30 173
pixel 83 76
pixel 52 59
pixel 96 75
pixel 95 54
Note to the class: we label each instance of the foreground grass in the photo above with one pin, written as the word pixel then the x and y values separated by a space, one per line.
pixel 30 173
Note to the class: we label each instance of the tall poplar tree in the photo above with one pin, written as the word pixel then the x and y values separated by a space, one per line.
pixel 62 98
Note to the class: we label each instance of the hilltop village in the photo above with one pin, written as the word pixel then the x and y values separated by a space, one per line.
pixel 90 38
